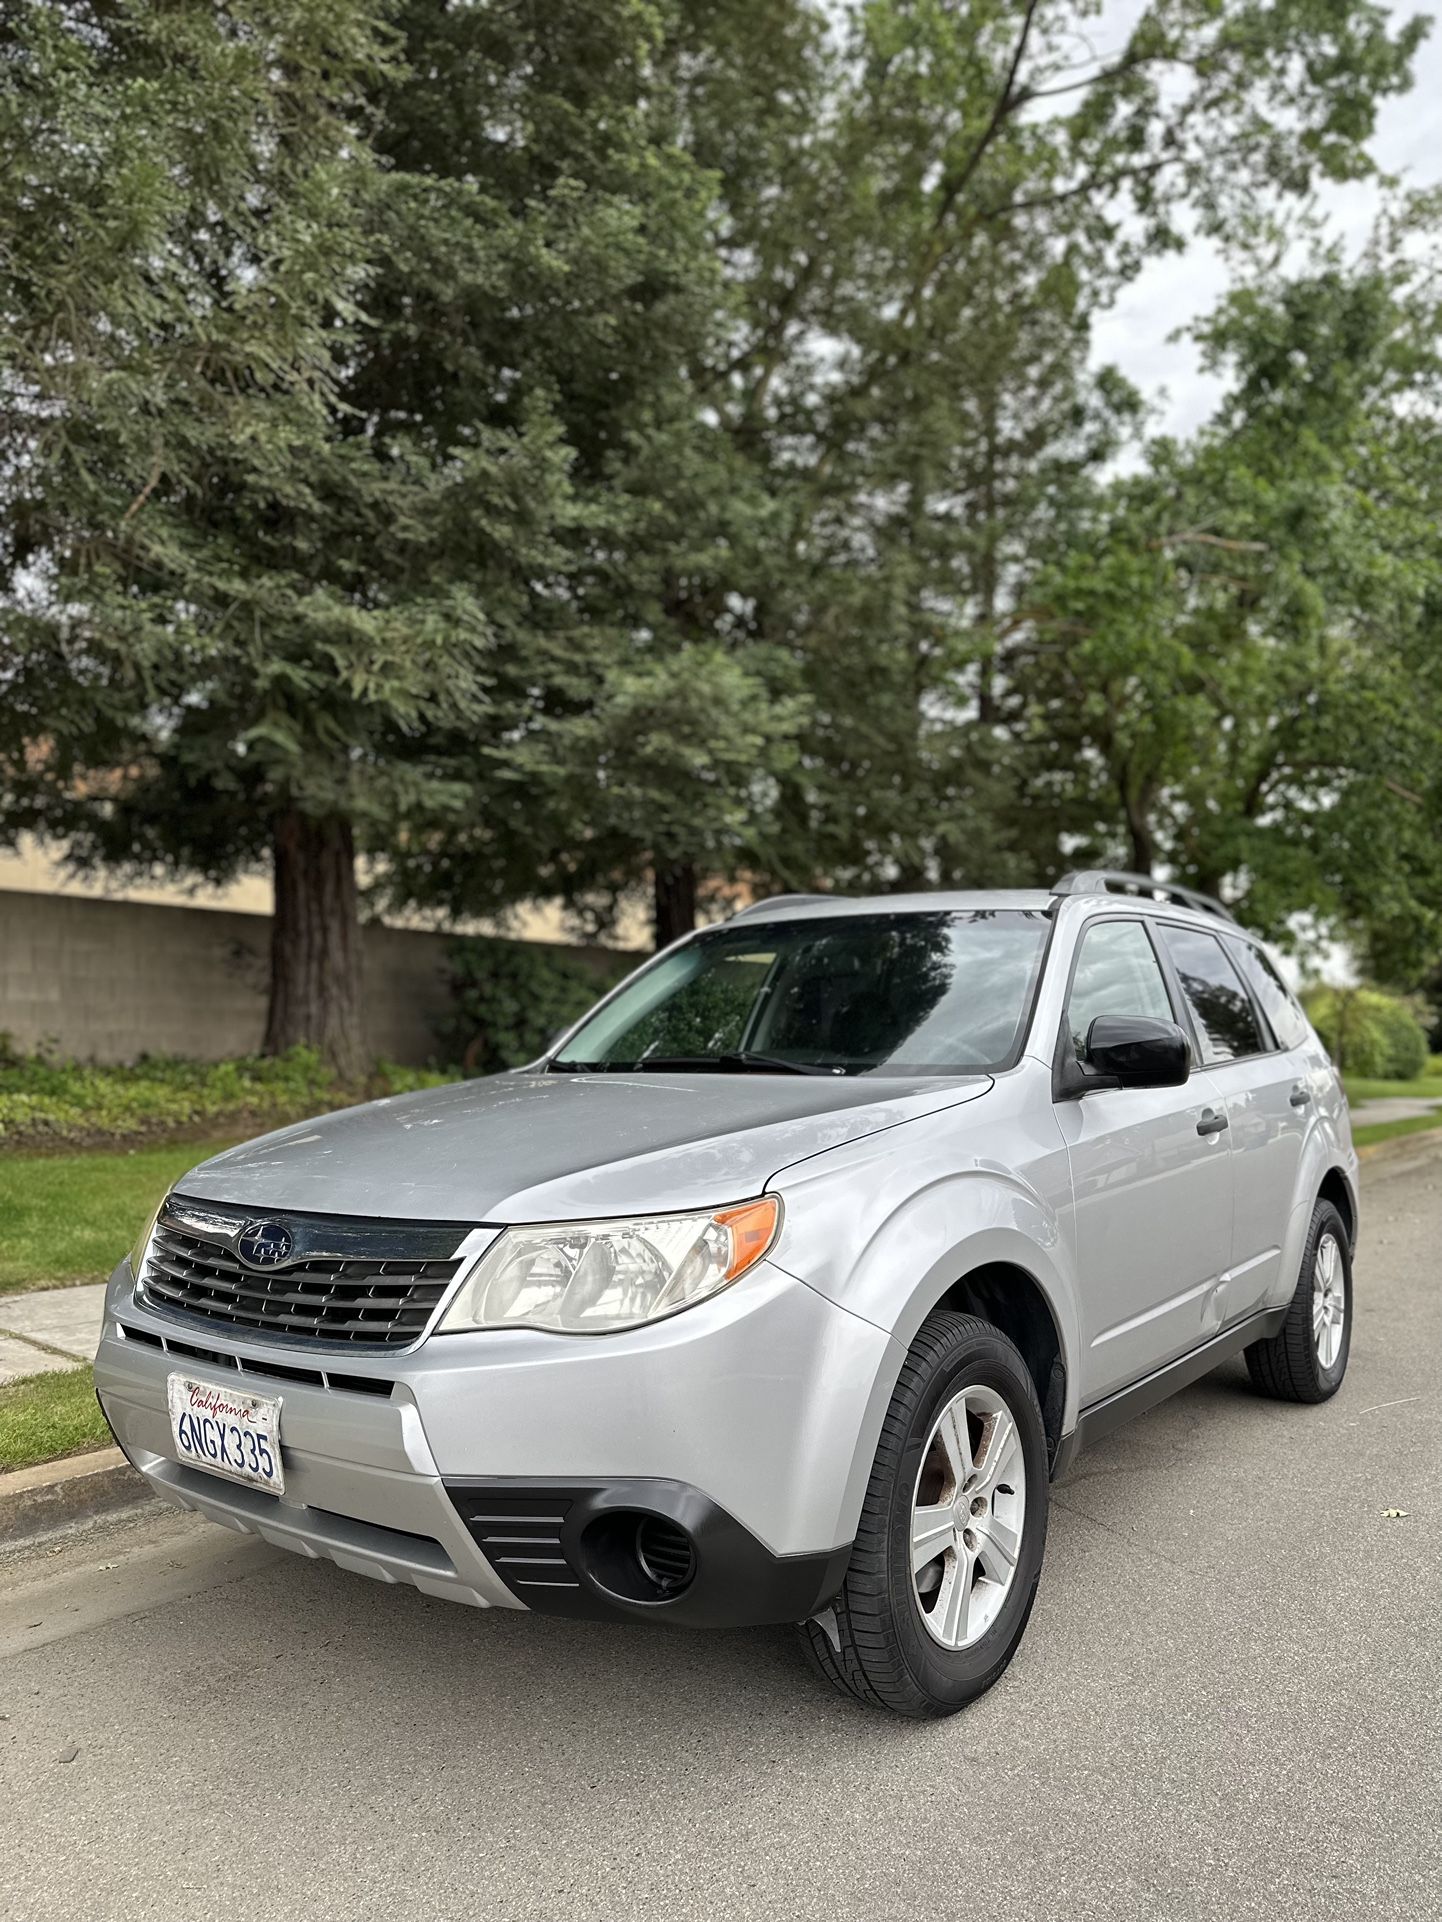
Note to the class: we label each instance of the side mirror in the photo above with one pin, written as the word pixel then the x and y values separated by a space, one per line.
pixel 1134 1051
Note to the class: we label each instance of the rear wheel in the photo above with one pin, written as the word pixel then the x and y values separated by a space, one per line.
pixel 945 1567
pixel 1307 1358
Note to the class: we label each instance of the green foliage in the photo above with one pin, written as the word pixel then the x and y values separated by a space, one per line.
pixel 538 444
pixel 1404 1040
pixel 511 1000
pixel 46 1100
pixel 1232 670
pixel 929 208
pixel 362 389
pixel 43 1417
pixel 1368 1033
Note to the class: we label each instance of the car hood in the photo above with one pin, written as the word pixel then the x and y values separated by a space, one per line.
pixel 561 1147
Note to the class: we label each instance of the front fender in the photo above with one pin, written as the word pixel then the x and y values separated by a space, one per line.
pixel 886 1227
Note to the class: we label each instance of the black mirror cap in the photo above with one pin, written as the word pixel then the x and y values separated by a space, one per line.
pixel 1137 1052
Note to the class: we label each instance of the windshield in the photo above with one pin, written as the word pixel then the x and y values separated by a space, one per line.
pixel 943 993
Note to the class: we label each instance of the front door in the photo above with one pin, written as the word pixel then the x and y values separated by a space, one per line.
pixel 1151 1178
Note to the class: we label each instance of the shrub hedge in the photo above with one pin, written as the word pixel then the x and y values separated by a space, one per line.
pixel 44 1100
pixel 1369 1033
pixel 511 1000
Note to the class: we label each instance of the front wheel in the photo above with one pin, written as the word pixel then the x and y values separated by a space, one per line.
pixel 1307 1358
pixel 949 1550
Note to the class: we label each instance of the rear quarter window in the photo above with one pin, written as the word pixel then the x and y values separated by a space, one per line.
pixel 1289 1024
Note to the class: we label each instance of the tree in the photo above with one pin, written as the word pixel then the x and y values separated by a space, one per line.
pixel 562 270
pixel 184 247
pixel 920 209
pixel 312 487
pixel 1236 661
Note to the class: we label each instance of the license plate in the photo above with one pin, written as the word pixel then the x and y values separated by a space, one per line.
pixel 226 1432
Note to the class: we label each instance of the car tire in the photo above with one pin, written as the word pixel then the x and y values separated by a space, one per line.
pixel 1307 1358
pixel 925 1639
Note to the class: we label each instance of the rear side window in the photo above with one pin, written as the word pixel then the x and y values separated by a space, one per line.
pixel 1226 1025
pixel 1289 1024
pixel 1116 973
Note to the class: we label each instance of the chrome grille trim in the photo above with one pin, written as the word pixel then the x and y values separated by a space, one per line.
pixel 349 1284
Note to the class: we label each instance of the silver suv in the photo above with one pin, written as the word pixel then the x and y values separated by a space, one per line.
pixel 779 1290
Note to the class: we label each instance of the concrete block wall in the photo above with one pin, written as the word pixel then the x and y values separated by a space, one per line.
pixel 108 980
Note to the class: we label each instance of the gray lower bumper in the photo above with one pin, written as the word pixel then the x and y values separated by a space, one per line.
pixel 765 1402
pixel 360 1487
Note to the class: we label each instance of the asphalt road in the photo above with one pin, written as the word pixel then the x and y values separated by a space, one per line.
pixel 1227 1705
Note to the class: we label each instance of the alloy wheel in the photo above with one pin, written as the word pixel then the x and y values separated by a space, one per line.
pixel 967 1515
pixel 1329 1301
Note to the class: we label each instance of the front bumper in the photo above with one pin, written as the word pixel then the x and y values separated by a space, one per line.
pixel 747 1422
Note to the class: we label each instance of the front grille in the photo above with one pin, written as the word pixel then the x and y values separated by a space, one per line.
pixel 376 1303
pixel 264 1371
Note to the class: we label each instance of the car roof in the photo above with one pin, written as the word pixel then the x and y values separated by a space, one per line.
pixel 810 907
pixel 807 907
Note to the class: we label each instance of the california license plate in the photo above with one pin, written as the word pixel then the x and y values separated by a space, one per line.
pixel 226 1432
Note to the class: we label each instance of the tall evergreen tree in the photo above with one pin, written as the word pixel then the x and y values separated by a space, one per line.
pixel 550 277
pixel 320 440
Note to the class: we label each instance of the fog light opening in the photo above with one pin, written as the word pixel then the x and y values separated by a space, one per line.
pixel 638 1557
pixel 665 1554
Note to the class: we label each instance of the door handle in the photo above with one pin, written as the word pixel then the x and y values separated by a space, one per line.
pixel 1300 1097
pixel 1211 1123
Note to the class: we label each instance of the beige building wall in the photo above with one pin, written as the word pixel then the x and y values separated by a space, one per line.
pixel 33 869
pixel 107 980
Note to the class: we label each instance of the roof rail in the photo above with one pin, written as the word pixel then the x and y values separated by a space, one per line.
pixel 784 901
pixel 1119 881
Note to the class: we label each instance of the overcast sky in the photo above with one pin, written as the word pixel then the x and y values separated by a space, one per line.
pixel 1135 333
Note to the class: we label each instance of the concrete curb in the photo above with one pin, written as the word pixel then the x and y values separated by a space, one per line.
pixel 54 1495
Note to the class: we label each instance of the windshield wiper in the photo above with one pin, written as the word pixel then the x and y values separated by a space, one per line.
pixel 740 1062
pixel 773 1064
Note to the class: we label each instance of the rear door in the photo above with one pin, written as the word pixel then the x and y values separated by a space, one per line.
pixel 1151 1176
pixel 1264 1087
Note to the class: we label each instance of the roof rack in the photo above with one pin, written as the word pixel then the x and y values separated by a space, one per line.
pixel 1119 881
pixel 784 901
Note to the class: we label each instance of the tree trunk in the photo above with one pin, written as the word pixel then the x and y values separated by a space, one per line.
pixel 675 899
pixel 1139 829
pixel 315 957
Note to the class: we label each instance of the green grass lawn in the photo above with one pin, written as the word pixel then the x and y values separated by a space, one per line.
pixel 69 1218
pixel 45 1416
pixel 1426 1087
pixel 1374 1131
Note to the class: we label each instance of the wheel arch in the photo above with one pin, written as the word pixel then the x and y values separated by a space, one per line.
pixel 1000 1275
pixel 1004 1294
pixel 1336 1188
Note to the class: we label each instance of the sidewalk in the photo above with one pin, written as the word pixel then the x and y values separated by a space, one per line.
pixel 49 1330
pixel 1388 1108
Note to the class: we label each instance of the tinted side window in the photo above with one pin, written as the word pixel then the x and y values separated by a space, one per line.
pixel 1116 973
pixel 1289 1024
pixel 1225 1022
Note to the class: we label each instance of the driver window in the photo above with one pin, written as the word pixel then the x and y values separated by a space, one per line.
pixel 1116 973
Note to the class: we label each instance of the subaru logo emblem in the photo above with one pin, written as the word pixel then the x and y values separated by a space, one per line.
pixel 264 1244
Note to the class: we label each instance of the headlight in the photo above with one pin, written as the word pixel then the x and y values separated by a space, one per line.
pixel 591 1277
pixel 142 1240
